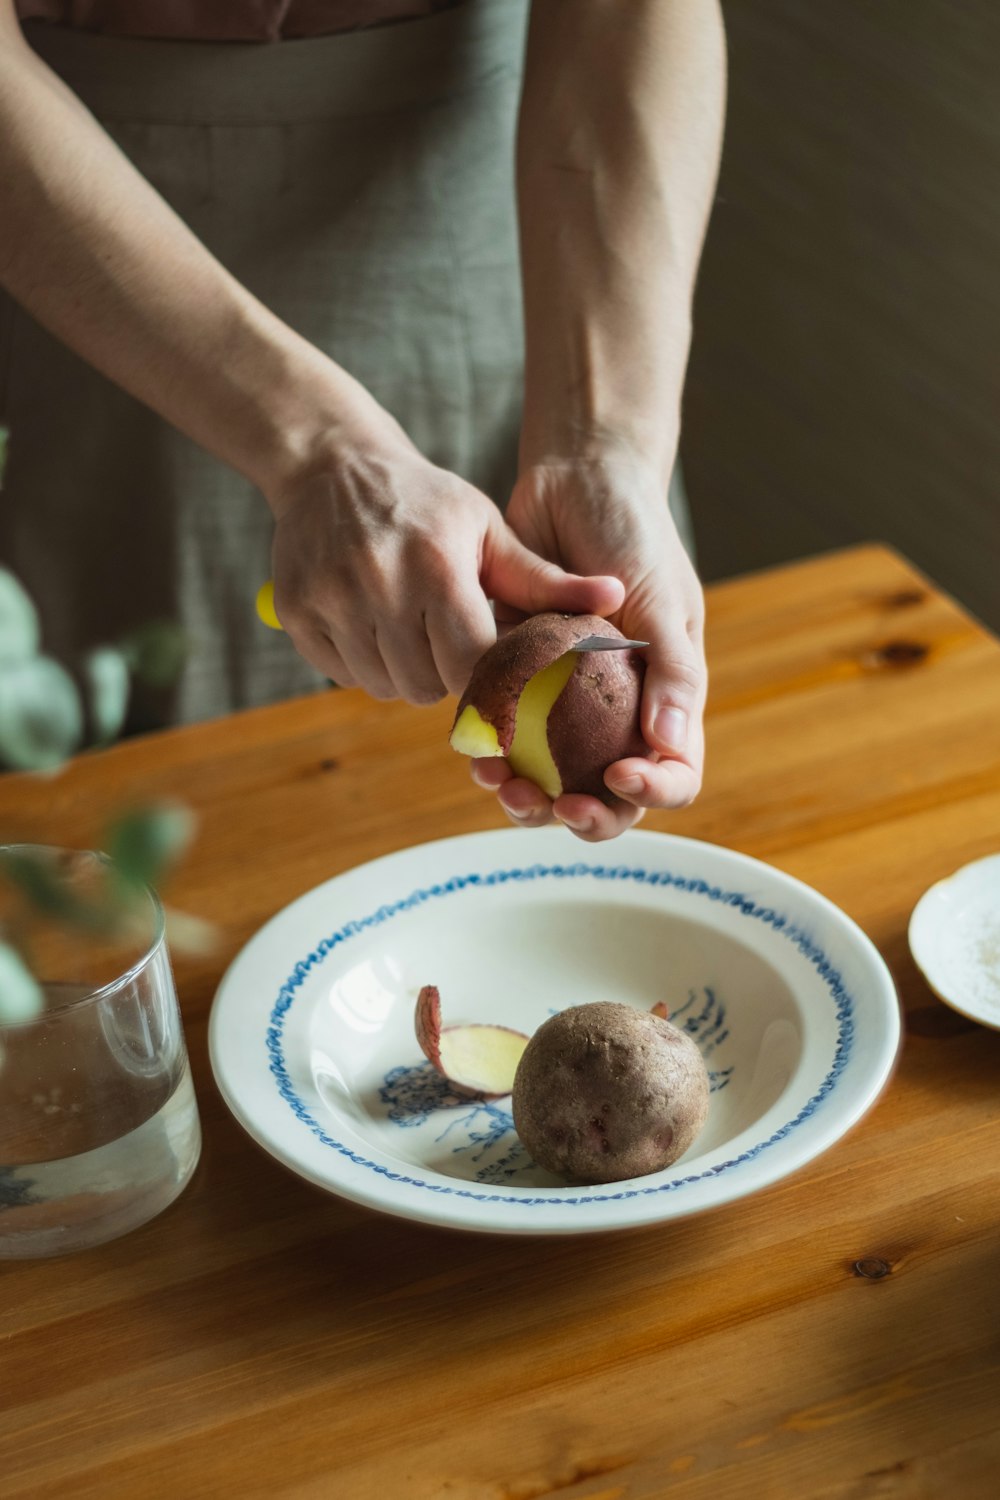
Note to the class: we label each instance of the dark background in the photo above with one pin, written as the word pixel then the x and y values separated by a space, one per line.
pixel 845 374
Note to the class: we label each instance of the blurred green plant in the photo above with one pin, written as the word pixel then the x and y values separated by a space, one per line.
pixel 46 715
pixel 142 847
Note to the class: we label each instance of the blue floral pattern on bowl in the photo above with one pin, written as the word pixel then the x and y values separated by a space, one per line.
pixel 744 906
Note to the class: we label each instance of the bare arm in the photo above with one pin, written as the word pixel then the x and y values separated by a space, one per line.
pixel 97 256
pixel 619 140
pixel 619 143
pixel 383 562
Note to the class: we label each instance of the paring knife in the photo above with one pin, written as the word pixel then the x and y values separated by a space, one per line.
pixel 265 612
pixel 605 643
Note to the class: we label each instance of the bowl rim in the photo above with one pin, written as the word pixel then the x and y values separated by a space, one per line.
pixel 629 854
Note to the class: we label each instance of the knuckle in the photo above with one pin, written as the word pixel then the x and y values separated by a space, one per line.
pixel 685 672
pixel 694 625
pixel 295 615
pixel 438 560
pixel 694 621
pixel 313 607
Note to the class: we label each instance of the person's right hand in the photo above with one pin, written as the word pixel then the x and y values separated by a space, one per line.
pixel 384 566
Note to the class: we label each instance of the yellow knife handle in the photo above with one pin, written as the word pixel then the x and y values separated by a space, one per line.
pixel 265 605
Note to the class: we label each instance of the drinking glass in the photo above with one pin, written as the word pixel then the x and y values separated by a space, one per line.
pixel 99 1126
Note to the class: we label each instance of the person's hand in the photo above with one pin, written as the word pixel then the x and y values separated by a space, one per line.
pixel 612 517
pixel 384 566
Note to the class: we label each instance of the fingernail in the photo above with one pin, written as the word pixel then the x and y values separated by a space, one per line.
pixel 671 728
pixel 585 825
pixel 627 786
pixel 518 817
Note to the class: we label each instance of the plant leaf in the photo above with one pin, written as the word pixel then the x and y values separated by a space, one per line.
pixel 41 720
pixel 21 998
pixel 156 652
pixel 43 884
pixel 19 632
pixel 105 672
pixel 40 882
pixel 144 843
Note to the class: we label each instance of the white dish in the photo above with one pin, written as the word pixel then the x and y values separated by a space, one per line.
pixel 955 939
pixel 313 1046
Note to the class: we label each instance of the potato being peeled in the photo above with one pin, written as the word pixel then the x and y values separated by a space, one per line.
pixel 559 717
pixel 604 1092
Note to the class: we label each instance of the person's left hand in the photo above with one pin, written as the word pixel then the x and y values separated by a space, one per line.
pixel 611 517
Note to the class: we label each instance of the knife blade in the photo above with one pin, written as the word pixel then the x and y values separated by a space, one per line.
pixel 605 643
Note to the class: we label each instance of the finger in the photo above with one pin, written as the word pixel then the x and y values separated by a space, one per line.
pixel 460 629
pixel 516 577
pixel 507 616
pixel 674 691
pixel 406 654
pixel 592 820
pixel 524 804
pixel 363 660
pixel 526 807
pixel 319 651
pixel 647 783
pixel 311 635
pixel 490 772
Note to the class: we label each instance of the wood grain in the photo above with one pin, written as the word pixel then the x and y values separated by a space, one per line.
pixel 844 381
pixel 264 1339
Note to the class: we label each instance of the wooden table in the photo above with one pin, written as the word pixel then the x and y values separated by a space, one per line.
pixel 834 1336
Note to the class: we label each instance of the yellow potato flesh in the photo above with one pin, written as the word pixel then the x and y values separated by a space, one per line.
pixel 483 1058
pixel 473 736
pixel 529 753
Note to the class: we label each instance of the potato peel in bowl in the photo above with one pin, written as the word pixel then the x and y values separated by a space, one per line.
pixel 475 1059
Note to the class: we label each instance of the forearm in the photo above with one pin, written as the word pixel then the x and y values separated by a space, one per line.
pixel 93 252
pixel 618 149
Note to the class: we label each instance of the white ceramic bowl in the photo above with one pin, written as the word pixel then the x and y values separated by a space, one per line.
pixel 955 939
pixel 313 1046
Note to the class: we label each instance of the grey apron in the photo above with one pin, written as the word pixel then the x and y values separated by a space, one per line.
pixel 361 185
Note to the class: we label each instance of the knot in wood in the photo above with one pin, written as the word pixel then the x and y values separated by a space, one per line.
pixel 904 598
pixel 872 1268
pixel 897 654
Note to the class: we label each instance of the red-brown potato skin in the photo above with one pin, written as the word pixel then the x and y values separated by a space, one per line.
pixel 605 1092
pixel 594 721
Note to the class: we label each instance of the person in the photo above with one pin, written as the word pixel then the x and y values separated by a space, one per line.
pixel 264 268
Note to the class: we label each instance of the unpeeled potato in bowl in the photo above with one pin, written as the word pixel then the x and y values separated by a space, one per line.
pixel 605 1092
pixel 559 717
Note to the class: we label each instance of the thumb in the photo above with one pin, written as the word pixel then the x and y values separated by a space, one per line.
pixel 514 575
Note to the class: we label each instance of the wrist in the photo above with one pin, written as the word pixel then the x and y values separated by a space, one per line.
pixel 614 409
pixel 646 450
pixel 306 415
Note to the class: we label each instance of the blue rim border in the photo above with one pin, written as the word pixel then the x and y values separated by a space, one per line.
pixel 843 1004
